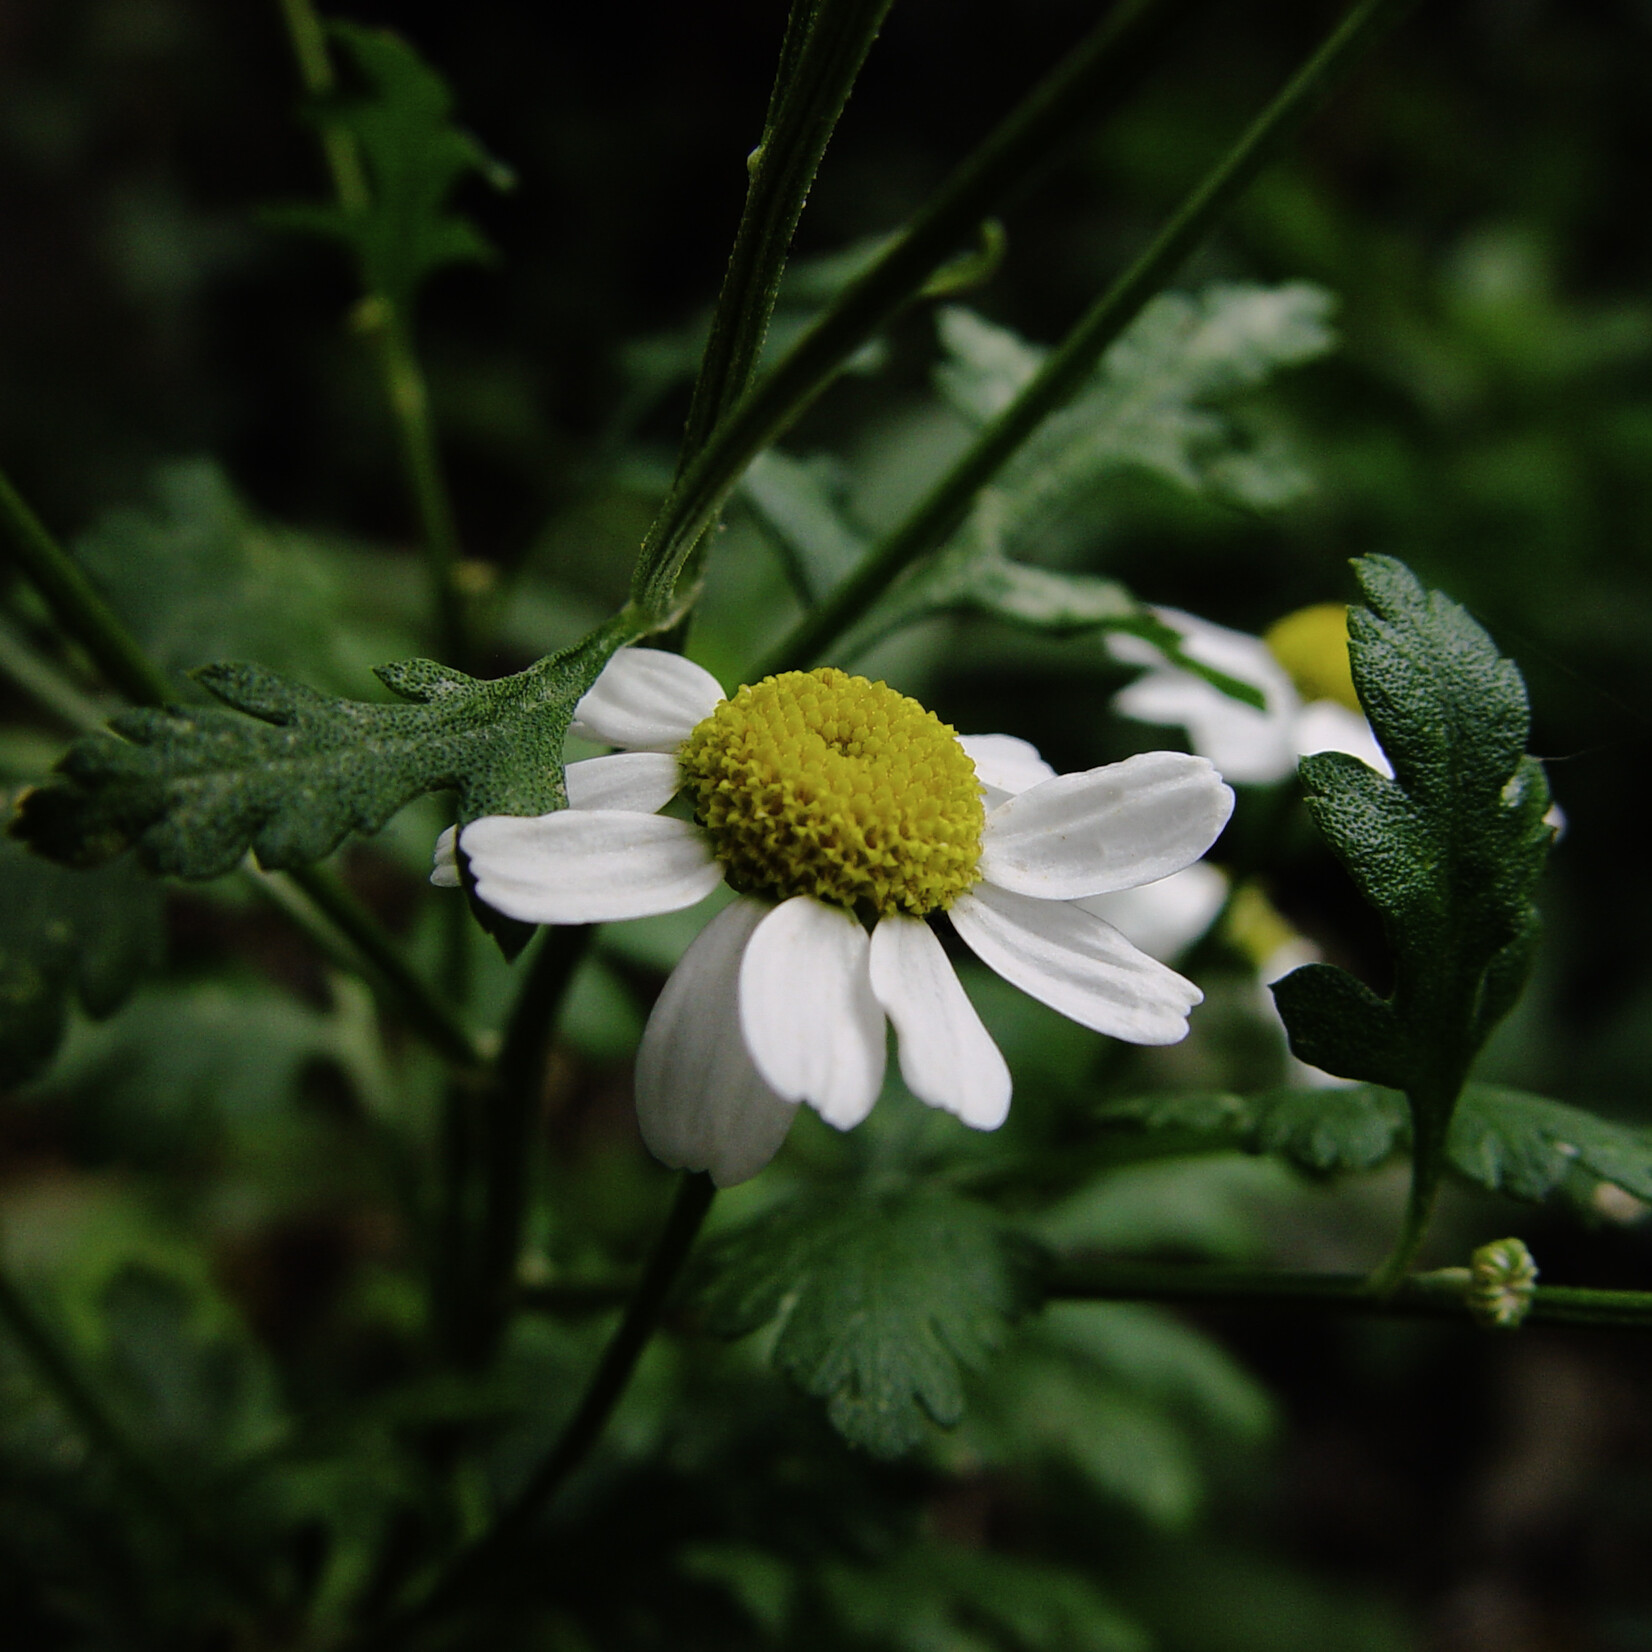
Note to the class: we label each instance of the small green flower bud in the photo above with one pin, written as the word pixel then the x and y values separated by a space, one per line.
pixel 1502 1282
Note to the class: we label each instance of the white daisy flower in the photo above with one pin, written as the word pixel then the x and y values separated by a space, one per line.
pixel 846 817
pixel 1301 668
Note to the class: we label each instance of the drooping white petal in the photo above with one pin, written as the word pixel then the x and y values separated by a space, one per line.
pixel 638 782
pixel 701 1102
pixel 1108 828
pixel 647 700
pixel 806 1007
pixel 1166 917
pixel 581 866
pixel 1004 765
pixel 1327 726
pixel 444 860
pixel 947 1057
pixel 1249 746
pixel 1076 963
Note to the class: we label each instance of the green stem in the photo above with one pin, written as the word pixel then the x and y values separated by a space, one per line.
pixel 475 1567
pixel 1092 80
pixel 510 1109
pixel 1434 1296
pixel 405 388
pixel 78 607
pixel 79 1400
pixel 948 503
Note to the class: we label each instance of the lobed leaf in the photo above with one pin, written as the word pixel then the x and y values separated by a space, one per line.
pixel 1448 850
pixel 1325 1130
pixel 66 937
pixel 883 1303
pixel 1528 1146
pixel 414 157
pixel 193 790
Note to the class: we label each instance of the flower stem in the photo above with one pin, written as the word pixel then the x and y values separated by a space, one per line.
pixel 80 1401
pixel 389 331
pixel 474 1567
pixel 1440 1295
pixel 945 507
pixel 1094 78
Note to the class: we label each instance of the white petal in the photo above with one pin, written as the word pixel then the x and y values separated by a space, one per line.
pixel 1327 726
pixel 1109 828
pixel 636 781
pixel 647 699
pixel 701 1103
pixel 1166 917
pixel 444 861
pixel 947 1057
pixel 1004 765
pixel 1071 960
pixel 581 866
pixel 806 1006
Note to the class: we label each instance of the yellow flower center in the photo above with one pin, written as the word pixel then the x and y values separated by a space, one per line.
pixel 1312 645
pixel 819 783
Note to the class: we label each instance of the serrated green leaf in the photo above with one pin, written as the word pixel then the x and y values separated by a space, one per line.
pixel 414 157
pixel 883 1303
pixel 1150 403
pixel 1527 1146
pixel 66 936
pixel 194 790
pixel 1448 851
pixel 1327 1129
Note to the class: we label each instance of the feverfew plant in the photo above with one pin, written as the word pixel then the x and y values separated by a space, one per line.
pixel 522 1401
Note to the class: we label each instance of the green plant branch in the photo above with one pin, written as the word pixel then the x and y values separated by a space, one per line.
pixel 1091 81
pixel 389 333
pixel 80 1402
pixel 1440 1295
pixel 473 1568
pixel 938 515
pixel 85 616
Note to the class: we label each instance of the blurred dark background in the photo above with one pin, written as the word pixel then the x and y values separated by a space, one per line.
pixel 1476 200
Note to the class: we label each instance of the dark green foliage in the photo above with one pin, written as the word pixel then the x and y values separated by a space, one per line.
pixel 1448 851
pixel 414 157
pixel 1505 1141
pixel 194 790
pixel 883 1302
pixel 66 937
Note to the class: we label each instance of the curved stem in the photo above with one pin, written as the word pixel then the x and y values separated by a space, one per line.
pixel 947 504
pixel 1090 82
pixel 473 1568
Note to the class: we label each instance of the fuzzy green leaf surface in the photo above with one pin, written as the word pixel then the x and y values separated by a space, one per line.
pixel 192 790
pixel 1529 1146
pixel 66 937
pixel 415 157
pixel 1448 851
pixel 1326 1130
pixel 883 1303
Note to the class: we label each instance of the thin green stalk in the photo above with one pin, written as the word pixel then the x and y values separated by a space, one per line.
pixel 1439 1295
pixel 510 1106
pixel 79 609
pixel 948 503
pixel 389 332
pixel 1089 83
pixel 80 1401
pixel 475 1567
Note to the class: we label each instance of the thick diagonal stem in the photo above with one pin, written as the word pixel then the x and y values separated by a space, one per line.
pixel 939 514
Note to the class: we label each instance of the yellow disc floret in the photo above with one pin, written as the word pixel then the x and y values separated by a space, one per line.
pixel 1312 645
pixel 819 783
